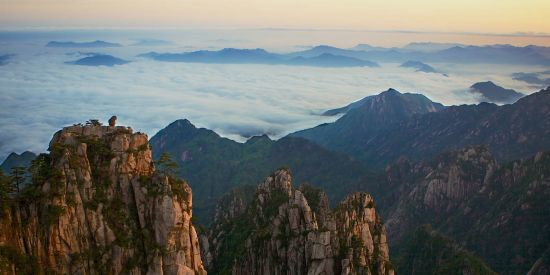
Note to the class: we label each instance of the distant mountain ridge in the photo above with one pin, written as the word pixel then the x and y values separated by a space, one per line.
pixel 99 60
pixel 92 44
pixel 259 56
pixel 419 66
pixel 441 53
pixel 422 52
pixel 491 92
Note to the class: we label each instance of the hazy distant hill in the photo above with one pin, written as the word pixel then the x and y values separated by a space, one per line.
pixel 99 60
pixel 259 56
pixel 330 60
pixel 71 44
pixel 539 79
pixel 494 54
pixel 419 66
pixel 491 92
pixel 5 58
pixel 430 46
pixel 17 160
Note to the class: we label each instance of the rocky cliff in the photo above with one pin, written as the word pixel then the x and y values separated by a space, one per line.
pixel 282 230
pixel 498 211
pixel 97 205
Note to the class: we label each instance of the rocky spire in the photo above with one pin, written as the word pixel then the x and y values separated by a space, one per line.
pixel 278 231
pixel 97 205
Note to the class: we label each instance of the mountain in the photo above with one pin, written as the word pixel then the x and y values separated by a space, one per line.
pixel 214 165
pixel 92 44
pixel 539 79
pixel 338 57
pixel 495 54
pixel 367 117
pixel 419 66
pixel 17 160
pixel 497 211
pixel 430 46
pixel 259 56
pixel 428 252
pixel 387 127
pixel 152 42
pixel 98 205
pixel 325 49
pixel 367 47
pixel 4 58
pixel 434 53
pixel 330 60
pixel 491 92
pixel 224 56
pixel 99 60
pixel 282 230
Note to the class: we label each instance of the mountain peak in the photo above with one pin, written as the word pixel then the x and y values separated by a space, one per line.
pixel 391 91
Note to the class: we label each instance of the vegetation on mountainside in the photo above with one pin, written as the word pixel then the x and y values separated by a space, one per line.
pixel 426 251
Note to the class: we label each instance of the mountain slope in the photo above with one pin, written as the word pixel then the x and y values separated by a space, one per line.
pixel 428 252
pixel 365 118
pixel 380 131
pixel 214 165
pixel 17 160
pixel 468 196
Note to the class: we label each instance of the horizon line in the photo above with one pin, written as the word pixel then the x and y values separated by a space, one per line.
pixel 401 31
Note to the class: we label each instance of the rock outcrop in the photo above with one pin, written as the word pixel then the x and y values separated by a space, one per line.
pixel 97 205
pixel 282 230
pixel 498 211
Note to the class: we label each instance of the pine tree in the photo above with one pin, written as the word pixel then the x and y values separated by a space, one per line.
pixel 17 177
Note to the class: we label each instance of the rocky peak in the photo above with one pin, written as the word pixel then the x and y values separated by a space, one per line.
pixel 98 205
pixel 280 181
pixel 292 231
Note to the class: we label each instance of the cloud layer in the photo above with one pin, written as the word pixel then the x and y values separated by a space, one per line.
pixel 39 94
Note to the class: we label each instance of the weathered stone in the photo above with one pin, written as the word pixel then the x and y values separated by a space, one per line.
pixel 107 212
pixel 292 240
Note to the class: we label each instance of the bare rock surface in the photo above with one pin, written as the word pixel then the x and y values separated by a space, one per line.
pixel 98 206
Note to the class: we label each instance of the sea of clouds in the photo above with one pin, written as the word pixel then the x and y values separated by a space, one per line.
pixel 39 93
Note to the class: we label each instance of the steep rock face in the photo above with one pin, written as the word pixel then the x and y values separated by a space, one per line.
pixel 278 231
pixel 97 205
pixel 437 188
pixel 468 196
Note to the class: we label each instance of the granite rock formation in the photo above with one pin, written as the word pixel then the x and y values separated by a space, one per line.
pixel 282 230
pixel 97 205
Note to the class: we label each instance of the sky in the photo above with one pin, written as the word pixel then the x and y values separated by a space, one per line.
pixel 480 16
